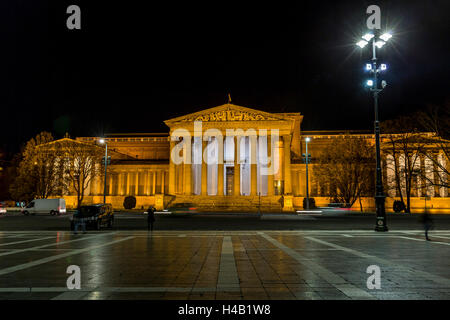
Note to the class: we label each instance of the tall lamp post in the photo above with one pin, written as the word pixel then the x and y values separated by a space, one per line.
pixel 307 139
pixel 103 141
pixel 377 42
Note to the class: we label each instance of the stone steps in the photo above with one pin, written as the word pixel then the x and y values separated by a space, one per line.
pixel 231 203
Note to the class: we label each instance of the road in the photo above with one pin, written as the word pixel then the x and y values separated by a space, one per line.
pixel 137 221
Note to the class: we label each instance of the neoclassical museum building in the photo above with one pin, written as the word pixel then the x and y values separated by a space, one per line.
pixel 226 158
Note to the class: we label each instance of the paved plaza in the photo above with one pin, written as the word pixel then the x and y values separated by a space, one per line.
pixel 282 265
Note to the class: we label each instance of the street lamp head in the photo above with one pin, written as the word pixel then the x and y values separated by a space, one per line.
pixel 369 83
pixel 307 139
pixel 368 36
pixel 379 43
pixel 386 36
pixel 383 67
pixel 368 66
pixel 102 141
pixel 361 43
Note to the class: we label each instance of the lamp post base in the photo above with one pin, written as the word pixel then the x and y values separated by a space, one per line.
pixel 380 225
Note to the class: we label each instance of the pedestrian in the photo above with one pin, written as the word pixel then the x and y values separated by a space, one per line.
pixel 150 217
pixel 427 222
pixel 79 221
pixel 83 225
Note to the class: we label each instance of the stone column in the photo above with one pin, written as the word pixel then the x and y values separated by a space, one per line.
pixel 204 170
pixel 237 166
pixel 187 160
pixel 136 187
pixel 147 178
pixel 429 172
pixel 110 184
pixel 301 186
pixel 120 186
pixel 253 165
pixel 270 190
pixel 162 181
pixel 144 176
pixel 220 172
pixel 171 170
pixel 154 182
pixel 287 164
pixel 128 183
pixel 443 191
pixel 390 175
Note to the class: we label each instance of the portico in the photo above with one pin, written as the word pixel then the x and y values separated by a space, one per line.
pixel 231 151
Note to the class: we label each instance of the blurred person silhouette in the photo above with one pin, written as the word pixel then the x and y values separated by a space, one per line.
pixel 150 217
pixel 79 221
pixel 427 222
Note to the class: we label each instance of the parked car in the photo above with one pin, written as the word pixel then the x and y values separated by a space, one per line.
pixel 2 209
pixel 96 216
pixel 182 208
pixel 51 206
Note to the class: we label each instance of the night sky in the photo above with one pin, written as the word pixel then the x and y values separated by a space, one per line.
pixel 133 65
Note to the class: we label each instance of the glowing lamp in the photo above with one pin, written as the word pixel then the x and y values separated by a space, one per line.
pixel 379 43
pixel 386 36
pixel 361 43
pixel 368 36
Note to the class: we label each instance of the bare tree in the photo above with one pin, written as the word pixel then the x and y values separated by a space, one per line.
pixel 81 164
pixel 437 121
pixel 347 167
pixel 404 143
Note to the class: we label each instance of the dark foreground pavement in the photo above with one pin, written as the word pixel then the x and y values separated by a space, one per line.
pixel 225 257
pixel 225 265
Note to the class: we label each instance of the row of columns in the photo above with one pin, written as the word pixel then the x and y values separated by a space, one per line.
pixel 187 172
pixel 151 178
pixel 421 185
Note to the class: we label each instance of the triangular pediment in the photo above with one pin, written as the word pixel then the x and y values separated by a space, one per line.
pixel 227 112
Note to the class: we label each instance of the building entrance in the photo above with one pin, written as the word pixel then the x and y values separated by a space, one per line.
pixel 229 181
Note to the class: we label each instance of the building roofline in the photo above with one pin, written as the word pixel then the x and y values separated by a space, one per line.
pixel 137 134
pixel 334 132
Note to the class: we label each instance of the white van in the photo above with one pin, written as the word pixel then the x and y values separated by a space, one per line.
pixel 52 206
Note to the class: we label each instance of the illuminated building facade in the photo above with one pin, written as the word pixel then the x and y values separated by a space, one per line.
pixel 226 158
